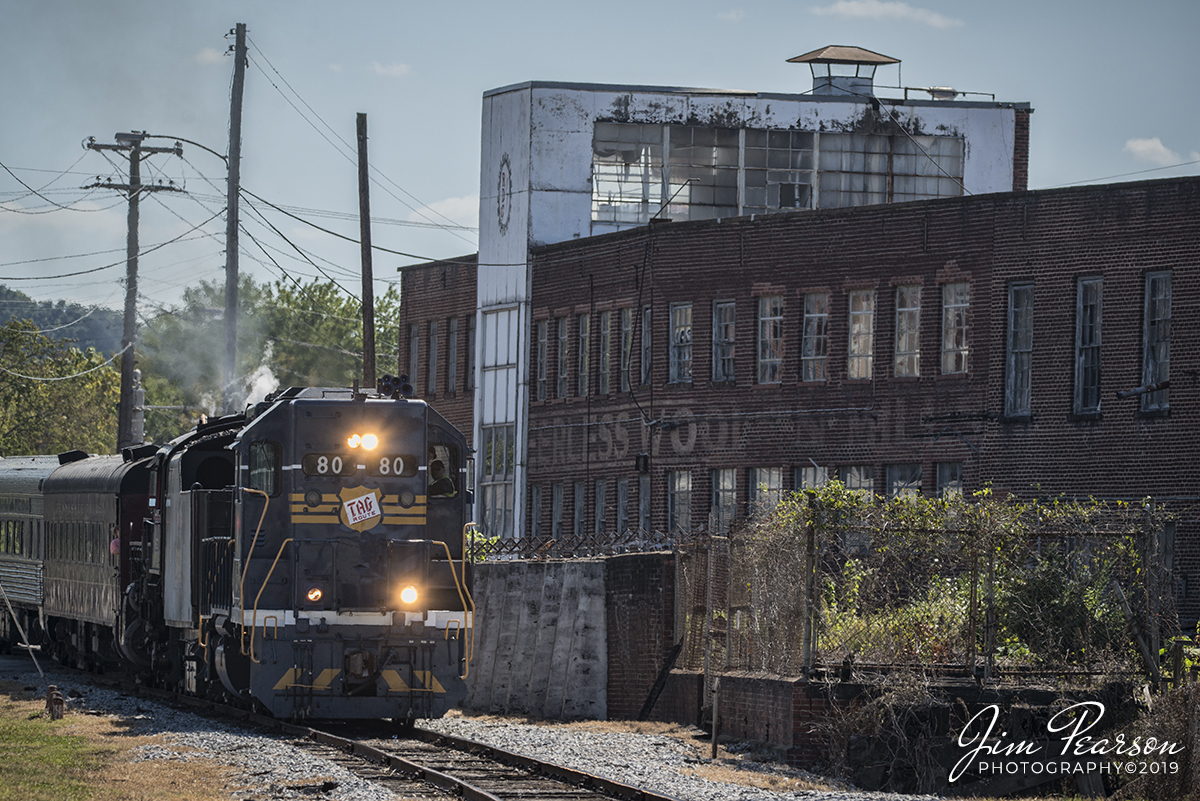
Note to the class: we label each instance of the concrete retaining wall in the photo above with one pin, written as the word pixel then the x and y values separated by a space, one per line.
pixel 540 640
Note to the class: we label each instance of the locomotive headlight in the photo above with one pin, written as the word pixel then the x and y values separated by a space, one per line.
pixel 314 594
pixel 369 441
pixel 409 595
pixel 354 441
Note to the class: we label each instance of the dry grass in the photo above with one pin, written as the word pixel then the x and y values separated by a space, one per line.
pixel 90 757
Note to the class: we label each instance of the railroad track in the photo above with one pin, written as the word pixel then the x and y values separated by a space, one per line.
pixel 415 763
pixel 472 770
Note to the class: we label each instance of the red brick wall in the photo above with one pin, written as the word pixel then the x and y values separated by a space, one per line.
pixel 440 291
pixel 1021 150
pixel 640 611
pixel 1052 237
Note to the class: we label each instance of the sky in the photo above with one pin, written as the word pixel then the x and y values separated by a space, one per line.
pixel 1112 95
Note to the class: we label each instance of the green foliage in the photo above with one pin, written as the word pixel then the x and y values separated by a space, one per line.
pixel 84 327
pixel 288 335
pixel 912 580
pixel 39 415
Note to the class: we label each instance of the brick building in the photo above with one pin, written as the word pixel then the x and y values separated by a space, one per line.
pixel 683 373
pixel 563 162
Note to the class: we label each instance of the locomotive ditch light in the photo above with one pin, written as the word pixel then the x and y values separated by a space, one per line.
pixel 408 595
pixel 314 594
pixel 354 441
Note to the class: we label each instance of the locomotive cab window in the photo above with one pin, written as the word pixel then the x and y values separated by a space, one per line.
pixel 265 467
pixel 442 467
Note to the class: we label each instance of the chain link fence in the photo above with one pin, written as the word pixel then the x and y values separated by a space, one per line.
pixel 838 580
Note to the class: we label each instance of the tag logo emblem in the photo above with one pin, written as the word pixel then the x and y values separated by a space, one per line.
pixel 360 508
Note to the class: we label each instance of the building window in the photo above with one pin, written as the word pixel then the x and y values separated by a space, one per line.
pixel 861 354
pixel 585 352
pixel 855 168
pixel 644 522
pixel 452 354
pixel 766 488
pixel 770 339
pixel 810 476
pixel 724 498
pixel 622 505
pixel 778 170
pixel 723 333
pixel 626 348
pixel 499 471
pixel 556 511
pixel 602 385
pixel 414 364
pixel 814 349
pixel 1156 348
pixel 955 301
pixel 1090 293
pixel 702 172
pixel 949 479
pixel 431 383
pixel 903 480
pixel 908 331
pixel 535 512
pixel 601 506
pixel 679 500
pixel 646 351
pixel 1018 390
pixel 564 358
pixel 627 173
pixel 543 356
pixel 681 343
pixel 469 381
pixel 580 508
pixel 925 167
pixel 858 477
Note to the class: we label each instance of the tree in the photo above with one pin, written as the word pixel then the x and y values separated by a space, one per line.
pixel 288 335
pixel 54 397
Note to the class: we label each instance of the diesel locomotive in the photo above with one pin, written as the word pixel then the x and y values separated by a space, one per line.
pixel 305 557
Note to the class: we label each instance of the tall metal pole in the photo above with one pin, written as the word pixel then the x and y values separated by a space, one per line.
pixel 229 374
pixel 368 283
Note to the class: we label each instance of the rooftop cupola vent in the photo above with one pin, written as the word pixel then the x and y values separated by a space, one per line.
pixel 842 70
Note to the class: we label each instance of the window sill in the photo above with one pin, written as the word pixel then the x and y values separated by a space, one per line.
pixel 725 383
pixel 1151 414
pixel 1016 419
pixel 1085 417
pixel 679 386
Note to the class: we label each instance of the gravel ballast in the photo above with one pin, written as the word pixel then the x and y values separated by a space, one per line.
pixel 269 766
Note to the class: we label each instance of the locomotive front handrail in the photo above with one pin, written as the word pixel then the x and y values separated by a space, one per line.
pixel 245 567
pixel 254 616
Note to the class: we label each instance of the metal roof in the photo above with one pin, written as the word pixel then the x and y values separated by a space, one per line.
pixel 843 54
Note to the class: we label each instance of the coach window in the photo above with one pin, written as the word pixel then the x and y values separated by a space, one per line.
pixel 265 467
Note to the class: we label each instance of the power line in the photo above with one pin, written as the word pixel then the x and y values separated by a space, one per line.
pixel 115 263
pixel 105 363
pixel 1125 174
pixel 348 149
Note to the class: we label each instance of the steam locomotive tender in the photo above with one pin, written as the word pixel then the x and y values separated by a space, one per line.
pixel 305 557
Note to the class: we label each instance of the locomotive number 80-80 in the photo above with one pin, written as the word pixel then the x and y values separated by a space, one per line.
pixel 307 557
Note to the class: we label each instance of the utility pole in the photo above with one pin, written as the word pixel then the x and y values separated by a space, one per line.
pixel 234 162
pixel 131 145
pixel 368 281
